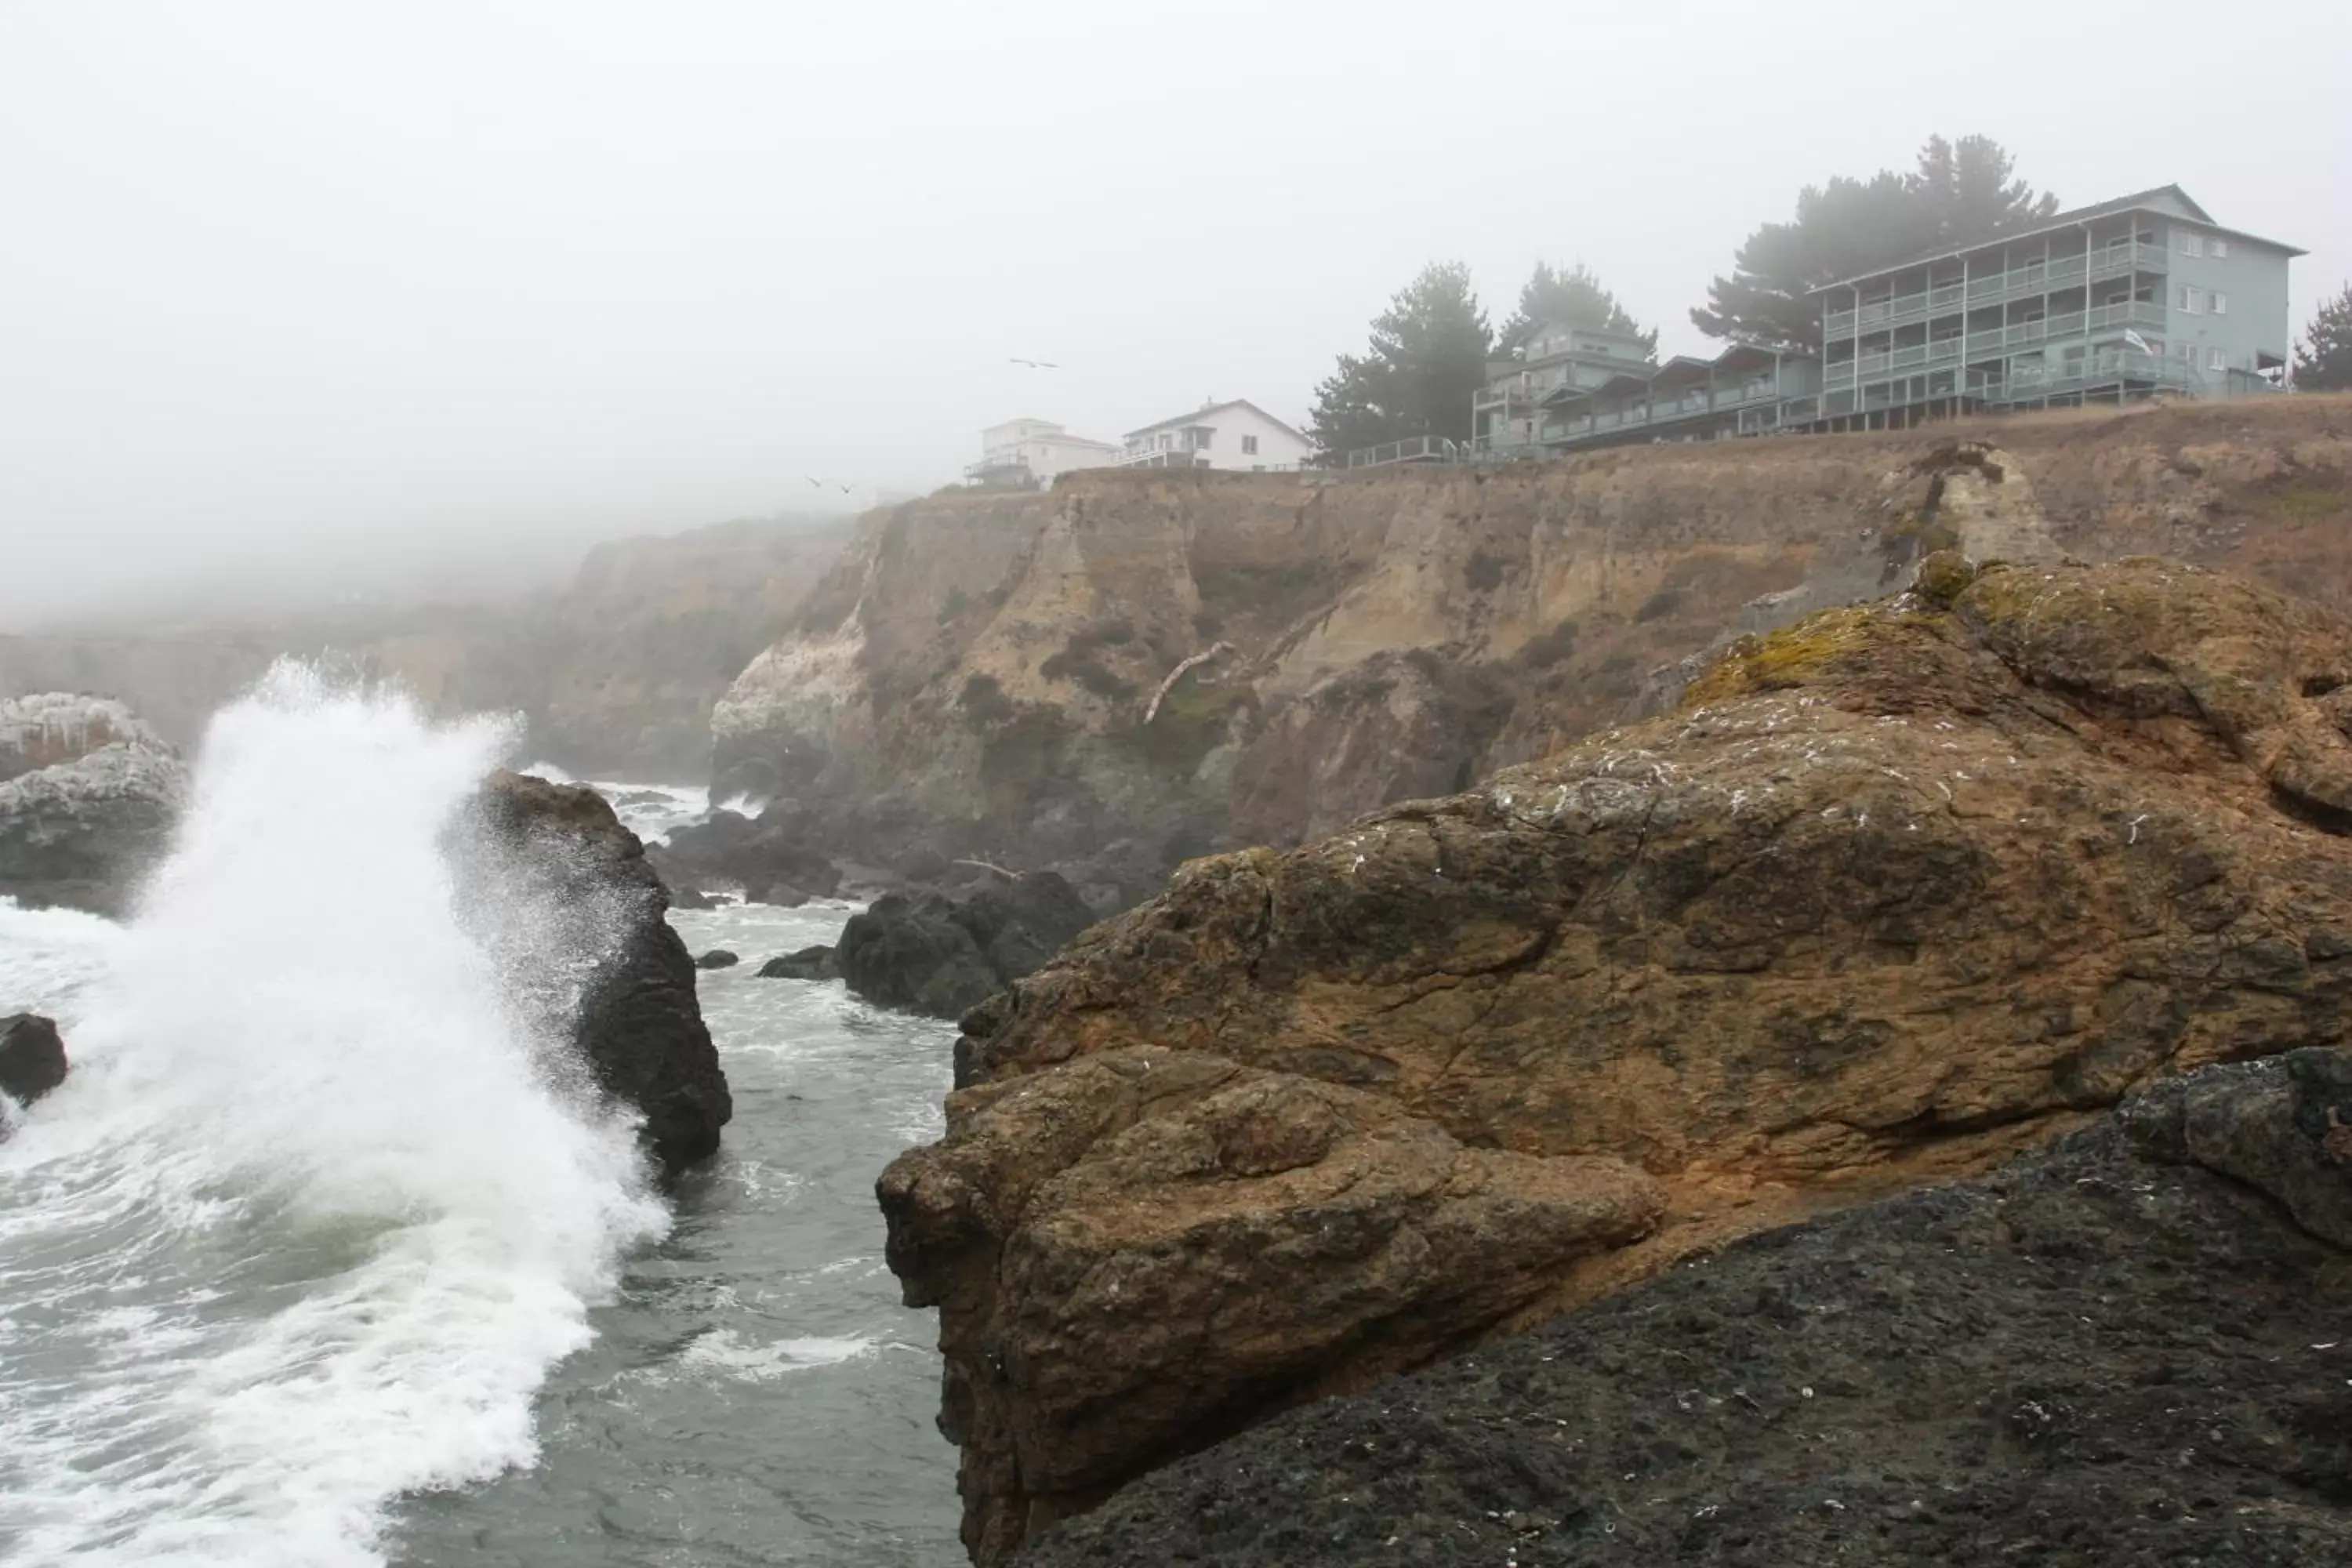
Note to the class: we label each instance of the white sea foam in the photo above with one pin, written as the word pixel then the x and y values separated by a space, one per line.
pixel 726 1354
pixel 305 1229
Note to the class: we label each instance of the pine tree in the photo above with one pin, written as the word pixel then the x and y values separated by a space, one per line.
pixel 2323 360
pixel 1427 356
pixel 1572 295
pixel 1959 193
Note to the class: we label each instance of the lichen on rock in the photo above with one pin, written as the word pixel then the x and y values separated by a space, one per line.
pixel 1897 893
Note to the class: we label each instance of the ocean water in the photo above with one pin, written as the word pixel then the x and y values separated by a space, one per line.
pixel 306 1265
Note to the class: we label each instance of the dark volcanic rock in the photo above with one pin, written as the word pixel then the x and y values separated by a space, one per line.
pixel 773 852
pixel 608 963
pixel 2125 1352
pixel 32 1056
pixel 681 882
pixel 717 958
pixel 808 964
pixel 931 953
pixel 88 796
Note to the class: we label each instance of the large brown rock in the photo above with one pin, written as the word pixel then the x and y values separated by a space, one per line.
pixel 2124 1351
pixel 1900 891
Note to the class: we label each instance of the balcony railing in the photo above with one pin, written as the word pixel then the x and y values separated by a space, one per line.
pixel 995 465
pixel 2035 277
pixel 1412 449
pixel 2109 367
pixel 1993 341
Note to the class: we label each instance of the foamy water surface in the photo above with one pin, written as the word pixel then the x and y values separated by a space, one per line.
pixel 305 1264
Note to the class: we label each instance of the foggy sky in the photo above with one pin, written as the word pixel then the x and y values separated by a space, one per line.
pixel 292 283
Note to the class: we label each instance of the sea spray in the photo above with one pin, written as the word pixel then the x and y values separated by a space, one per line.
pixel 308 1226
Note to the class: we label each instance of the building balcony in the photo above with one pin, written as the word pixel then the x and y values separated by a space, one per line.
pixel 1161 457
pixel 1993 342
pixel 2036 278
pixel 2110 367
pixel 1513 394
pixel 997 466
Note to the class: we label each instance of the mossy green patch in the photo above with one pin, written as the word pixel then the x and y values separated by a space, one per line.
pixel 1192 719
pixel 1794 655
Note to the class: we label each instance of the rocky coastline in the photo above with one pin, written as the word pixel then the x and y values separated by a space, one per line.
pixel 1896 894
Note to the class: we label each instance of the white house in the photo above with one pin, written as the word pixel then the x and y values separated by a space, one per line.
pixel 1238 435
pixel 1022 450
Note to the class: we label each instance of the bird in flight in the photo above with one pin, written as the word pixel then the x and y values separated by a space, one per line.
pixel 814 484
pixel 1035 364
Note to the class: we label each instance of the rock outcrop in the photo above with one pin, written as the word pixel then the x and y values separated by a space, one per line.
pixel 1897 892
pixel 769 857
pixel 2129 1350
pixel 808 964
pixel 615 675
pixel 32 1056
pixel 576 919
pixel 88 796
pixel 1194 661
pixel 930 952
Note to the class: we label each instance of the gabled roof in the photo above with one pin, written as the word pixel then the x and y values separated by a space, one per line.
pixel 1198 414
pixel 1682 370
pixel 2170 200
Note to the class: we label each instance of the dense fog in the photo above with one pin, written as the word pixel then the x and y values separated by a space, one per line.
pixel 307 301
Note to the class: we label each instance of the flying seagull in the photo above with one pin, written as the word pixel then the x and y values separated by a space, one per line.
pixel 1035 364
pixel 846 489
pixel 814 484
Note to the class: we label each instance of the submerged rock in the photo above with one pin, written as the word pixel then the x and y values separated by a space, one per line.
pixel 32 1056
pixel 808 964
pixel 1900 891
pixel 927 952
pixel 88 796
pixel 717 958
pixel 2129 1350
pixel 611 967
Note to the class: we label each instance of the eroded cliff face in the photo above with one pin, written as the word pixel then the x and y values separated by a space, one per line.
pixel 614 677
pixel 1195 659
pixel 1897 892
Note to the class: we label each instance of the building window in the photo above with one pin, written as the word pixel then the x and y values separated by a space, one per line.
pixel 2191 299
pixel 1249 445
pixel 2214 360
pixel 2191 244
pixel 2220 303
pixel 2221 249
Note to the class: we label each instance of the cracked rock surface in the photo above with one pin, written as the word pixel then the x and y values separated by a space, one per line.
pixel 1899 891
pixel 2126 1352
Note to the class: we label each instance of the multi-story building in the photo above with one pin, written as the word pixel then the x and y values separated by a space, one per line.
pixel 1558 357
pixel 2139 295
pixel 2142 294
pixel 1236 435
pixel 1023 452
pixel 1575 386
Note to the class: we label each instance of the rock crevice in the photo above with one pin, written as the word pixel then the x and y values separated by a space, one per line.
pixel 1898 891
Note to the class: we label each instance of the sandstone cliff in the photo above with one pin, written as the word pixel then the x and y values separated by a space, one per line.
pixel 615 676
pixel 1897 892
pixel 1187 659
